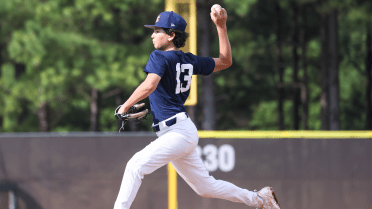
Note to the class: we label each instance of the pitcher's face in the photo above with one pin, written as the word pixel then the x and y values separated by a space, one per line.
pixel 161 40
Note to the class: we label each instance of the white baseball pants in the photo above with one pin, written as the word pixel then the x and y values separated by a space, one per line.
pixel 176 144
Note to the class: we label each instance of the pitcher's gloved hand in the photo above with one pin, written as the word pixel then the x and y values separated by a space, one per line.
pixel 135 113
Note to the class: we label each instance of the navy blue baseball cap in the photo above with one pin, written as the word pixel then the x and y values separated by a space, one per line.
pixel 169 20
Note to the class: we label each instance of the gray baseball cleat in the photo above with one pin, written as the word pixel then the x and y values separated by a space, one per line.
pixel 269 199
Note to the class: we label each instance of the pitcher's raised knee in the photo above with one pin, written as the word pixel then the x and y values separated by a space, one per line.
pixel 135 166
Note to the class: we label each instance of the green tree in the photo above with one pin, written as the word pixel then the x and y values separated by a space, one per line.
pixel 56 55
pixel 68 49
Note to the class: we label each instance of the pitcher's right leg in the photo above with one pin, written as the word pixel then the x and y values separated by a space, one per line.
pixel 193 171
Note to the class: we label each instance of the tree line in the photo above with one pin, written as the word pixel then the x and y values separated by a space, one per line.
pixel 298 65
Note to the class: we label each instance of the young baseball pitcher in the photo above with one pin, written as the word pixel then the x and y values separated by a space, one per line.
pixel 169 72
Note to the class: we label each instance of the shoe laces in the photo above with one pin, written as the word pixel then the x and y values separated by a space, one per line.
pixel 258 197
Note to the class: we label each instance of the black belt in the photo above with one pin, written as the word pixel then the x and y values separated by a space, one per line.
pixel 168 123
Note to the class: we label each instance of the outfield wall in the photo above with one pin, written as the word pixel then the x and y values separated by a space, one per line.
pixel 84 170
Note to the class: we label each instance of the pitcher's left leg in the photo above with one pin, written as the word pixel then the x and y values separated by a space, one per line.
pixel 161 151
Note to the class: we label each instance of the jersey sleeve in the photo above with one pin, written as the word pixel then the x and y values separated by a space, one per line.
pixel 157 64
pixel 205 65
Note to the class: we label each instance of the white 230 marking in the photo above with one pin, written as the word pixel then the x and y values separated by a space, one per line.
pixel 222 157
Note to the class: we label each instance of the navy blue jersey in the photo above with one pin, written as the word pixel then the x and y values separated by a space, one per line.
pixel 175 69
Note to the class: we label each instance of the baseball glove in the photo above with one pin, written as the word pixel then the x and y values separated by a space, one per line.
pixel 135 113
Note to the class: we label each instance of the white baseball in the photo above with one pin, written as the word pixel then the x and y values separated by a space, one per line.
pixel 215 7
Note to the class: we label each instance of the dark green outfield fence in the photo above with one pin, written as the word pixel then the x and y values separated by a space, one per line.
pixel 84 170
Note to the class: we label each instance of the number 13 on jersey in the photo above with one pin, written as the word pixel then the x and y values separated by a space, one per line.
pixel 186 70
